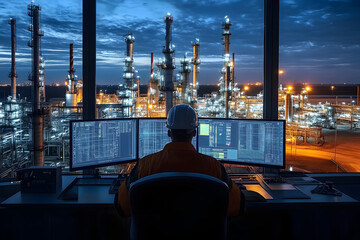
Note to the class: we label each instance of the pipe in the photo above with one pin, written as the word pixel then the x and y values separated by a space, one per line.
pixel 169 64
pixel 13 74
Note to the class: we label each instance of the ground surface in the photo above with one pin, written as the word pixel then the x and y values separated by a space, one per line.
pixel 305 157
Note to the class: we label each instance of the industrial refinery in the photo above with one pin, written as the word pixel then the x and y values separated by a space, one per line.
pixel 37 131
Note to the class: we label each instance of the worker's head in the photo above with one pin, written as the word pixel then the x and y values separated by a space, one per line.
pixel 182 122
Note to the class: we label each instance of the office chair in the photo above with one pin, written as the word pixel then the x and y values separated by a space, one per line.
pixel 178 205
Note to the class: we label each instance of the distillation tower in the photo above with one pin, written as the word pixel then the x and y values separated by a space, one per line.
pixel 196 62
pixel 226 78
pixel 184 81
pixel 11 106
pixel 153 90
pixel 13 74
pixel 129 89
pixel 169 64
pixel 37 114
pixel 71 93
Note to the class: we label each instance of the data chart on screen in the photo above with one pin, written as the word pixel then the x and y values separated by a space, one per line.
pixel 104 142
pixel 153 136
pixel 257 142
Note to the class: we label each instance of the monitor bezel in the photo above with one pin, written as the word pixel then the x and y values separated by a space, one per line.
pixel 72 168
pixel 252 164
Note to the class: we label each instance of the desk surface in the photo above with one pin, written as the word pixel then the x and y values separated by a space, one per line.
pixel 99 195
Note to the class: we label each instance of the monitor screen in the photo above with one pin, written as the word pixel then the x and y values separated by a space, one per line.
pixel 153 136
pixel 243 141
pixel 102 142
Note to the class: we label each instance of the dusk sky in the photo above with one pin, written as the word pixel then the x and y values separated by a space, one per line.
pixel 319 39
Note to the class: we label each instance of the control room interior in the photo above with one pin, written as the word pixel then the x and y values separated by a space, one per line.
pixel 267 156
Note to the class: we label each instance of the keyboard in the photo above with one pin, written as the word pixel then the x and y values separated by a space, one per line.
pixel 274 179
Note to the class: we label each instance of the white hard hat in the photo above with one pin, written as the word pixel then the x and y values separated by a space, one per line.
pixel 182 117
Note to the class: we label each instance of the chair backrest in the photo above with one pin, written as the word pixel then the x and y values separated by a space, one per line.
pixel 178 206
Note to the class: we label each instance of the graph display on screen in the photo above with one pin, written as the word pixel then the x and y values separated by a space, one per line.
pixel 256 142
pixel 153 136
pixel 103 142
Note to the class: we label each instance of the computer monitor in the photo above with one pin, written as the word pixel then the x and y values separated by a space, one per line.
pixel 153 135
pixel 243 141
pixel 102 142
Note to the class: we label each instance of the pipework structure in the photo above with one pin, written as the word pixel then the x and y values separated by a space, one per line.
pixel 168 64
pixel 12 74
pixel 153 90
pixel 226 79
pixel 185 80
pixel 71 93
pixel 196 62
pixel 37 112
pixel 128 90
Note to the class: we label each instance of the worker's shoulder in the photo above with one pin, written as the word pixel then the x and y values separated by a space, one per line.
pixel 208 158
pixel 149 157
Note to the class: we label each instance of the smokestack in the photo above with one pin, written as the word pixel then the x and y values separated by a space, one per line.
pixel 195 62
pixel 358 95
pixel 37 115
pixel 169 64
pixel 13 74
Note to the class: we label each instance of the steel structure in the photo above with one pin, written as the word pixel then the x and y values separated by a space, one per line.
pixel 168 64
pixel 184 83
pixel 196 62
pixel 71 93
pixel 128 90
pixel 226 81
pixel 37 115
pixel 13 74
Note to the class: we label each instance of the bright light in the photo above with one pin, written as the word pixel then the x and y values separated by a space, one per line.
pixel 308 89
pixel 332 87
pixel 246 88
pixel 281 71
pixel 290 88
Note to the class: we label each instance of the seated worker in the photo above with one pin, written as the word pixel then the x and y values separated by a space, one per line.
pixel 180 156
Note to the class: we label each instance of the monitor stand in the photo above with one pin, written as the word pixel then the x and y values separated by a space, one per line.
pixel 271 172
pixel 91 173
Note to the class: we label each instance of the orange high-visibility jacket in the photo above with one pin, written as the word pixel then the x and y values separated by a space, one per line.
pixel 179 157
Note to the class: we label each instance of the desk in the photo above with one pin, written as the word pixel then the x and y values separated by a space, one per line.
pixel 92 216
